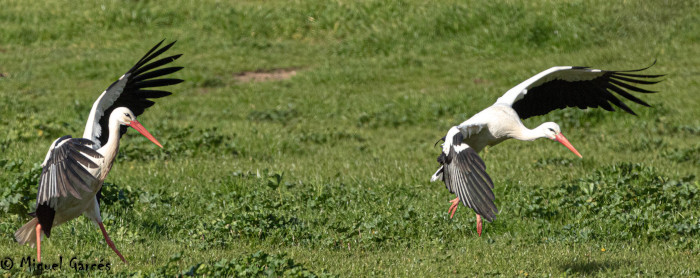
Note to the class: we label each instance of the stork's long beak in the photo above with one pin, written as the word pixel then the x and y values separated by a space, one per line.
pixel 138 127
pixel 561 139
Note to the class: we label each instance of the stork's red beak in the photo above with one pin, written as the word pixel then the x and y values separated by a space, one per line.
pixel 561 139
pixel 138 127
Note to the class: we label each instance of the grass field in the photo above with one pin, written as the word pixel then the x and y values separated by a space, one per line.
pixel 327 173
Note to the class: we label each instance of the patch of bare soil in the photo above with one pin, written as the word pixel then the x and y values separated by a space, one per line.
pixel 2 74
pixel 263 75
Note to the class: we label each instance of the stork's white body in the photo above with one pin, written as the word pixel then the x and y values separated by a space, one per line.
pixel 490 127
pixel 70 207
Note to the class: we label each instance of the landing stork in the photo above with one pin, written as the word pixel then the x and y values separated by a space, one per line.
pixel 464 172
pixel 75 168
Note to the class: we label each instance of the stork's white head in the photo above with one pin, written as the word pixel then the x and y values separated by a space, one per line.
pixel 552 131
pixel 124 116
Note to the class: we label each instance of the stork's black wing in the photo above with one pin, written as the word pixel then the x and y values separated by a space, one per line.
pixel 464 174
pixel 582 87
pixel 65 171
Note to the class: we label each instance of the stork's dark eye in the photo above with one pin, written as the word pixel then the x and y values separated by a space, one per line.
pixel 550 129
pixel 127 115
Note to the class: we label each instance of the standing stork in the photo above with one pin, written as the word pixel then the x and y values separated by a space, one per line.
pixel 75 168
pixel 461 168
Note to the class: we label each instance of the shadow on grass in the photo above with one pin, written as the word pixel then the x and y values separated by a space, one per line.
pixel 591 267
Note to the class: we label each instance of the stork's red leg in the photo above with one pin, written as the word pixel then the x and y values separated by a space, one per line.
pixel 38 242
pixel 109 242
pixel 478 224
pixel 453 207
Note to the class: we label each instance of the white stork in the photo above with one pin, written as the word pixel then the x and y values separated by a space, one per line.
pixel 461 168
pixel 75 168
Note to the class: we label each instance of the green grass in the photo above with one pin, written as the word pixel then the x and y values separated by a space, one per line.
pixel 327 173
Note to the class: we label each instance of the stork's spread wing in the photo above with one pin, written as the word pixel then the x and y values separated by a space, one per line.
pixel 129 91
pixel 464 174
pixel 66 170
pixel 582 87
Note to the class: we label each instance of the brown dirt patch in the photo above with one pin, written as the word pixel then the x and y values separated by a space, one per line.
pixel 2 74
pixel 263 75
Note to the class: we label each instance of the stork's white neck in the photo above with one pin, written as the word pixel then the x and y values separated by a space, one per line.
pixel 109 150
pixel 526 134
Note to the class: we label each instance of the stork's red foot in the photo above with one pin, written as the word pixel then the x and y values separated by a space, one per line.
pixel 478 224
pixel 453 207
